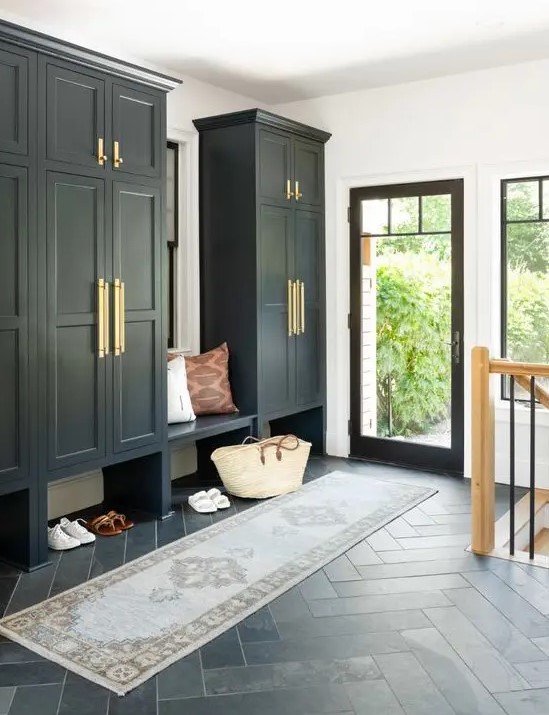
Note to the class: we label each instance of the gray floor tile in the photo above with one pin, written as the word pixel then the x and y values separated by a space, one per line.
pixel 83 698
pixel 302 674
pixel 524 616
pixel 36 673
pixel 182 679
pixel 509 641
pixel 224 651
pixel 32 587
pixel 342 569
pixel 6 696
pixel 407 555
pixel 290 606
pixel 324 648
pixel 435 542
pixel 542 644
pixel 141 701
pixel 423 568
pixel 453 678
pixel 443 529
pixel 400 528
pixel 536 673
pixel 362 554
pixel 496 674
pixel 11 652
pixel 320 700
pixel 463 519
pixel 416 692
pixel 353 624
pixel 529 588
pixel 74 567
pixel 317 586
pixel 407 584
pixel 417 517
pixel 382 541
pixel 529 702
pixel 39 699
pixel 373 698
pixel 375 604
pixel 259 627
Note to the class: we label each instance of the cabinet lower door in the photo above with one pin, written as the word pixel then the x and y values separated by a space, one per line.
pixel 75 250
pixel 14 447
pixel 277 371
pixel 136 124
pixel 139 360
pixel 309 259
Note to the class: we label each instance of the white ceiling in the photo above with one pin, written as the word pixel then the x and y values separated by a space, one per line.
pixel 281 50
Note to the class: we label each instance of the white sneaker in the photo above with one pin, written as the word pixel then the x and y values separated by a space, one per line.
pixel 58 540
pixel 73 528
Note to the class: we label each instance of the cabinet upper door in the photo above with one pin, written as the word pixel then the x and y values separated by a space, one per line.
pixel 274 171
pixel 141 367
pixel 309 173
pixel 75 114
pixel 14 91
pixel 137 127
pixel 309 259
pixel 277 360
pixel 75 256
pixel 14 415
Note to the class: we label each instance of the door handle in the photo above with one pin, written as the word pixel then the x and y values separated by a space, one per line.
pixel 122 317
pixel 294 308
pixel 101 156
pixel 298 195
pixel 101 318
pixel 302 305
pixel 455 344
pixel 106 327
pixel 117 159
pixel 116 291
pixel 289 192
pixel 290 309
pixel 298 309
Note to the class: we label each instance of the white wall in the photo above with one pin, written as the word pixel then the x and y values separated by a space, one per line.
pixel 481 126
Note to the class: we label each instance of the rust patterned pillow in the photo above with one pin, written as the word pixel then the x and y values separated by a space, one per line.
pixel 208 382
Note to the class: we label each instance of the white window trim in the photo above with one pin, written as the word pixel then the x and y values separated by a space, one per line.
pixel 187 281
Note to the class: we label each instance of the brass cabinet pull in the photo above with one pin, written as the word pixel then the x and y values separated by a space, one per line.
pixel 297 194
pixel 116 316
pixel 101 156
pixel 302 305
pixel 101 318
pixel 294 308
pixel 122 318
pixel 289 192
pixel 290 310
pixel 106 326
pixel 117 159
pixel 297 309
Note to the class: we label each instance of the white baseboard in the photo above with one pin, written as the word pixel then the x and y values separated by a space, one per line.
pixel 84 490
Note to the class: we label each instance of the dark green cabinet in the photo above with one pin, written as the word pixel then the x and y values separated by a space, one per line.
pixel 15 71
pixel 136 122
pixel 263 263
pixel 14 369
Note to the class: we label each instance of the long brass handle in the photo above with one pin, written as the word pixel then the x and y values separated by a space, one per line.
pixel 101 156
pixel 106 325
pixel 298 195
pixel 297 309
pixel 122 318
pixel 116 316
pixel 289 192
pixel 302 305
pixel 290 310
pixel 294 308
pixel 100 318
pixel 117 159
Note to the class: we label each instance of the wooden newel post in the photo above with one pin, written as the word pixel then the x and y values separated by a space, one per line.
pixel 482 454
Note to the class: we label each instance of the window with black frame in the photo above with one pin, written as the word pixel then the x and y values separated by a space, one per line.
pixel 525 272
pixel 172 214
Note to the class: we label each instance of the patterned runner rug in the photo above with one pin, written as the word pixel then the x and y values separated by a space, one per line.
pixel 125 626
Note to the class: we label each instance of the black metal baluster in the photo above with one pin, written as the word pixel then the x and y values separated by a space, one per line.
pixel 532 464
pixel 512 467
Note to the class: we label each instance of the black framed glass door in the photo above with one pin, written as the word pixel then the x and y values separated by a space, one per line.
pixel 406 248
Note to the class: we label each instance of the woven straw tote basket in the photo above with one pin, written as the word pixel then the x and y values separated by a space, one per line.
pixel 263 468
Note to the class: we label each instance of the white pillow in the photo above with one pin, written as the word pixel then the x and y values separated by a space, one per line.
pixel 180 408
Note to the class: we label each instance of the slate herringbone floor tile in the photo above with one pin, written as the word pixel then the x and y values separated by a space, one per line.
pixel 405 623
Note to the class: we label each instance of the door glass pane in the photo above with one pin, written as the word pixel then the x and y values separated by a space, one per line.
pixel 404 215
pixel 522 200
pixel 375 216
pixel 436 213
pixel 406 334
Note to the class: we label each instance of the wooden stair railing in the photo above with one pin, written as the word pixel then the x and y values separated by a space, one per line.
pixel 482 443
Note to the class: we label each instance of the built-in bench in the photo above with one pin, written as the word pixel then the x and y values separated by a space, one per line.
pixel 210 432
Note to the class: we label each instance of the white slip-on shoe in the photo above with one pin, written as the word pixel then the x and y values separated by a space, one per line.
pixel 202 503
pixel 59 541
pixel 220 500
pixel 74 529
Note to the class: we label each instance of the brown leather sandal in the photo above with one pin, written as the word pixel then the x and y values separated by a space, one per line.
pixel 120 520
pixel 103 526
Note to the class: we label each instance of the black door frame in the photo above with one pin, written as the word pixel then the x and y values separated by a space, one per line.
pixel 395 451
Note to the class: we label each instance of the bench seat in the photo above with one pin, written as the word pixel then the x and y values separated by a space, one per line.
pixel 208 426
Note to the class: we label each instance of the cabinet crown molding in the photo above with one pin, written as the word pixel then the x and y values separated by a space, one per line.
pixel 261 116
pixel 40 42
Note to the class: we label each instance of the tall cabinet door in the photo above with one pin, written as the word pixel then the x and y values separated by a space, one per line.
pixel 14 81
pixel 138 357
pixel 309 343
pixel 275 176
pixel 75 249
pixel 136 123
pixel 14 436
pixel 75 114
pixel 277 373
